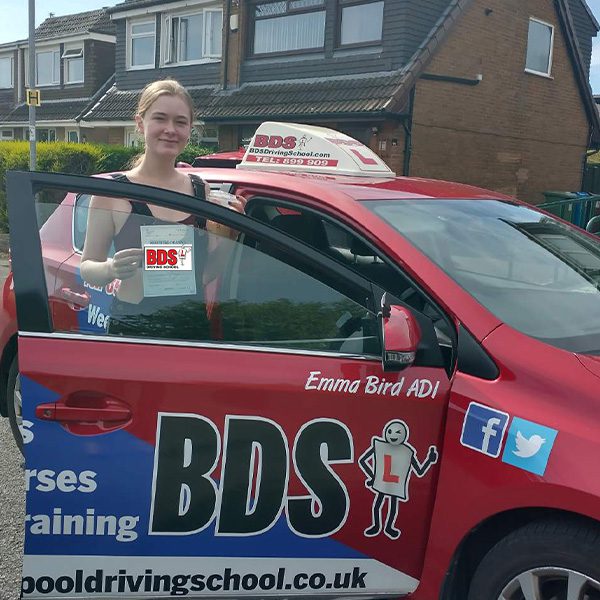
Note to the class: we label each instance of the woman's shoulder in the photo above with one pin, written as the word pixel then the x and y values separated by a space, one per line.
pixel 112 203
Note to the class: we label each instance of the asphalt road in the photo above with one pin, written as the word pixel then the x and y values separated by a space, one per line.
pixel 12 503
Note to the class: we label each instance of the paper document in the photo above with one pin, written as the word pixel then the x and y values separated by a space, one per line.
pixel 168 260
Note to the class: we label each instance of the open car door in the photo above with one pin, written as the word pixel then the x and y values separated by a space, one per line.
pixel 244 443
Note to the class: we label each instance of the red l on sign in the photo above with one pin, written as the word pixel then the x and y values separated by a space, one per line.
pixel 363 159
pixel 388 476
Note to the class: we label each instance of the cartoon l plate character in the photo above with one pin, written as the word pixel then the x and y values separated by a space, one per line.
pixel 388 464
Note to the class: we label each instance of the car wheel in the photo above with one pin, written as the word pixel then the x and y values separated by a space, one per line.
pixel 14 404
pixel 545 560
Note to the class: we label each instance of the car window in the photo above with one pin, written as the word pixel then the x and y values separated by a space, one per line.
pixel 347 247
pixel 80 216
pixel 197 284
pixel 536 274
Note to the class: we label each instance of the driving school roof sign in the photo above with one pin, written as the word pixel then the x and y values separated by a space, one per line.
pixel 310 149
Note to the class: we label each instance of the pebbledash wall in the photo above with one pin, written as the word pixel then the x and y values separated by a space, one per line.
pixel 515 132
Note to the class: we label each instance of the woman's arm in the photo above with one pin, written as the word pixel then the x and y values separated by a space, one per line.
pixel 96 268
pixel 219 249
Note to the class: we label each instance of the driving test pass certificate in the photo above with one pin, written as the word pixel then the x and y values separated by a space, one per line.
pixel 168 260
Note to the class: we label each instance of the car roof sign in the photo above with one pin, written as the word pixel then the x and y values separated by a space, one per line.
pixel 311 149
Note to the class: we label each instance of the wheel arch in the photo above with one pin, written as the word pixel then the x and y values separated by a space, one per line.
pixel 10 351
pixel 475 545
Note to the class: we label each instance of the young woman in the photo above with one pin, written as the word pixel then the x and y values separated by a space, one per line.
pixel 164 117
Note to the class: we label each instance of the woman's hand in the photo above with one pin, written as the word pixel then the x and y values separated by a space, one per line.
pixel 236 203
pixel 125 263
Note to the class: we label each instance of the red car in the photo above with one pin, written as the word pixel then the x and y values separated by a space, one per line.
pixel 388 388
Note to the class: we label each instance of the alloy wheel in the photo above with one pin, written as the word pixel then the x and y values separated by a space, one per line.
pixel 551 583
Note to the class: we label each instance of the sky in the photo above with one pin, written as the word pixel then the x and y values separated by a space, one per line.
pixel 14 23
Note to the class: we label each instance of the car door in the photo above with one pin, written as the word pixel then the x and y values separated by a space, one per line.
pixel 245 444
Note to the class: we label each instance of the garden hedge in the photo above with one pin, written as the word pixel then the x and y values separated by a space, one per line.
pixel 78 159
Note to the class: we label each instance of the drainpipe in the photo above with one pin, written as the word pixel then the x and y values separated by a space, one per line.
pixel 226 15
pixel 585 162
pixel 407 123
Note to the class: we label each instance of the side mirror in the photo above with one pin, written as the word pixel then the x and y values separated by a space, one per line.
pixel 401 335
pixel 593 225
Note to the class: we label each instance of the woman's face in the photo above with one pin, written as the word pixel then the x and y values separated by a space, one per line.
pixel 166 126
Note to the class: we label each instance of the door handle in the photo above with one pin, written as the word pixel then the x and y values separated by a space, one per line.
pixel 76 298
pixel 56 412
pixel 86 413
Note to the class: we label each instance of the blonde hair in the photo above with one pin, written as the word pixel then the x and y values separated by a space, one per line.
pixel 162 87
pixel 152 92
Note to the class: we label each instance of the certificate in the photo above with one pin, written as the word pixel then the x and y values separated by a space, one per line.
pixel 168 260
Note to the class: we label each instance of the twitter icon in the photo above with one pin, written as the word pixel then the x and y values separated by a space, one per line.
pixel 528 445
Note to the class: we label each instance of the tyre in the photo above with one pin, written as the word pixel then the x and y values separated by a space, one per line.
pixel 544 560
pixel 14 405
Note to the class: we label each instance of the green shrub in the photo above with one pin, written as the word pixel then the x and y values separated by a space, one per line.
pixel 78 159
pixel 115 158
pixel 190 152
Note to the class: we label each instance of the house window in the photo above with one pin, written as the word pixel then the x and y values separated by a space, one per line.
pixel 288 26
pixel 73 61
pixel 47 67
pixel 6 72
pixel 192 37
pixel 45 135
pixel 141 45
pixel 134 138
pixel 7 134
pixel 540 42
pixel 73 136
pixel 361 22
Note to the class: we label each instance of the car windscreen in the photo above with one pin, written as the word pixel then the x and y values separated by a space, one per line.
pixel 536 274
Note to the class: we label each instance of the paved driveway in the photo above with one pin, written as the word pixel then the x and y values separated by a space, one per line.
pixel 12 502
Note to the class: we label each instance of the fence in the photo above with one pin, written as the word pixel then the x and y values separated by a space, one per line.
pixel 591 178
pixel 577 208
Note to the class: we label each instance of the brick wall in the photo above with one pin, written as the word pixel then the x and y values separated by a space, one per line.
pixel 116 135
pixel 514 132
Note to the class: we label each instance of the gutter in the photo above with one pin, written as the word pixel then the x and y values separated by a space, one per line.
pixel 568 29
pixel 294 117
pixel 452 79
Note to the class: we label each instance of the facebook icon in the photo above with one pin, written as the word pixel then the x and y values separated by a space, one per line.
pixel 483 429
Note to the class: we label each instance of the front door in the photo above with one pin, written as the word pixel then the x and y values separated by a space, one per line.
pixel 218 440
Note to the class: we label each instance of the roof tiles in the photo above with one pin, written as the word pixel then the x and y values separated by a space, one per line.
pixel 265 100
pixel 97 21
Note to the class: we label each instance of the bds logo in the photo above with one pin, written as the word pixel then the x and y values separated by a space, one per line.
pixel 175 257
pixel 275 141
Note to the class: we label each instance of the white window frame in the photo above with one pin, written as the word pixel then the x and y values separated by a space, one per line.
pixel 132 137
pixel 166 60
pixel 131 36
pixel 68 132
pixel 550 57
pixel 12 71
pixel 69 54
pixel 205 40
pixel 56 79
pixel 48 129
pixel 11 133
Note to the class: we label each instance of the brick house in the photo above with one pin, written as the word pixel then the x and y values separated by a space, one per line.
pixel 488 92
pixel 74 60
